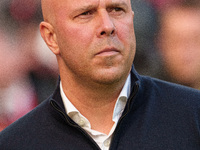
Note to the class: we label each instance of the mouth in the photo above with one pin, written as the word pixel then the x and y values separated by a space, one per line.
pixel 108 52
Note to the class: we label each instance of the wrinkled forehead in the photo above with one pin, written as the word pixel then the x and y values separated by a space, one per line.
pixel 52 8
pixel 55 3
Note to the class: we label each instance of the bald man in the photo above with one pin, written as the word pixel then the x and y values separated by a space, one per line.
pixel 101 102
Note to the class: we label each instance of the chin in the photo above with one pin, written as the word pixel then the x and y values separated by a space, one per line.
pixel 111 77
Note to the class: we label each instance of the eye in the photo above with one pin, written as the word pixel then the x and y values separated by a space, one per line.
pixel 86 13
pixel 116 10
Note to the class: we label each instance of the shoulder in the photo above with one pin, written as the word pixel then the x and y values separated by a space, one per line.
pixel 166 87
pixel 37 127
pixel 169 93
pixel 27 127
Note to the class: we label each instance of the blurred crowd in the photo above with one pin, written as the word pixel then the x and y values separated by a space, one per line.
pixel 28 71
pixel 168 47
pixel 168 40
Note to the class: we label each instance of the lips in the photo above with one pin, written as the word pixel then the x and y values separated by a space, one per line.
pixel 108 51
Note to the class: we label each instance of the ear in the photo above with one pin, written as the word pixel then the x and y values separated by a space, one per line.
pixel 133 14
pixel 49 36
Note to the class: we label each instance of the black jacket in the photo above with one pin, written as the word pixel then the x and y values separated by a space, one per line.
pixel 158 116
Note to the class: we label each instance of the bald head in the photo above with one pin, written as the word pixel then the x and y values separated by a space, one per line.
pixel 48 9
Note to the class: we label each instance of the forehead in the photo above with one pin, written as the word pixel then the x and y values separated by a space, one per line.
pixel 71 7
pixel 81 3
pixel 55 10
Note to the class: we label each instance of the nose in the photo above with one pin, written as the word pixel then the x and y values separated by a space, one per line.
pixel 106 25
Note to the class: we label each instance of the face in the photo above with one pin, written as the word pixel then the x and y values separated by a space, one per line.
pixel 181 45
pixel 95 39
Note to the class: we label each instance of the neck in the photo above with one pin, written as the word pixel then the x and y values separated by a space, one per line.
pixel 93 96
pixel 196 85
pixel 96 103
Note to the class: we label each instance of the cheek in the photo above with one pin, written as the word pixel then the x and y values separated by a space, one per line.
pixel 126 32
pixel 75 46
pixel 74 39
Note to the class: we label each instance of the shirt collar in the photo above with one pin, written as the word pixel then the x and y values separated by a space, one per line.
pixel 69 107
pixel 72 112
pixel 122 100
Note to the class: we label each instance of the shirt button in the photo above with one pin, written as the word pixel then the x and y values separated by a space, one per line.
pixel 107 143
pixel 81 123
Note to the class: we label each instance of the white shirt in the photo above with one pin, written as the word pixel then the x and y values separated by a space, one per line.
pixel 101 139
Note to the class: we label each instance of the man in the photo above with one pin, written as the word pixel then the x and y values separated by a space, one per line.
pixel 179 42
pixel 100 103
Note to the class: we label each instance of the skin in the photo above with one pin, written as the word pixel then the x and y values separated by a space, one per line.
pixel 180 45
pixel 94 43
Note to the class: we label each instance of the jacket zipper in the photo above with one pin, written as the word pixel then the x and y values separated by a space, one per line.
pixel 128 109
pixel 74 125
pixel 83 131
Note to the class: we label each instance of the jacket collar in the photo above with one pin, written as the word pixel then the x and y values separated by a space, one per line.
pixel 56 97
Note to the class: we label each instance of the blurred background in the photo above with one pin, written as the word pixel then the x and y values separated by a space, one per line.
pixel 168 48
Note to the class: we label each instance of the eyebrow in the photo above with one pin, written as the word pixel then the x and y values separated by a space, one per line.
pixel 93 7
pixel 85 8
pixel 118 4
